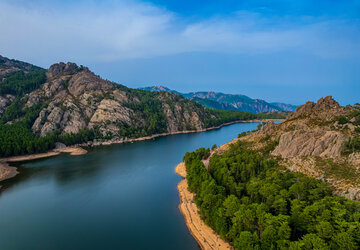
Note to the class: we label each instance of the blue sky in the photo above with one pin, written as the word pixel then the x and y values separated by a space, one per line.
pixel 280 50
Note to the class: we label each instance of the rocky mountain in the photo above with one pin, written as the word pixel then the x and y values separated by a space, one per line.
pixel 8 66
pixel 71 104
pixel 223 101
pixel 319 139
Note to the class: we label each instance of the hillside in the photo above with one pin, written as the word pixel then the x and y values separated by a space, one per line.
pixel 8 66
pixel 216 100
pixel 321 140
pixel 70 104
pixel 280 186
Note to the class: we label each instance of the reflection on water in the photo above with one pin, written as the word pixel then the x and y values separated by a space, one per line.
pixel 119 196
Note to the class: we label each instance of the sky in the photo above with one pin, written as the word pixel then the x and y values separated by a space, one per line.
pixel 279 50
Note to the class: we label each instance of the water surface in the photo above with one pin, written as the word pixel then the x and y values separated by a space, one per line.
pixel 115 197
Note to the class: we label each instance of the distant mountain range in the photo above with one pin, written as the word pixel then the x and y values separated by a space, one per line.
pixel 217 100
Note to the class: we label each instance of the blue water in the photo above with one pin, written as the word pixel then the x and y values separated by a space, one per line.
pixel 115 197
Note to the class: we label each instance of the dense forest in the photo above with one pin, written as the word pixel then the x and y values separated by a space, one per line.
pixel 19 83
pixel 254 203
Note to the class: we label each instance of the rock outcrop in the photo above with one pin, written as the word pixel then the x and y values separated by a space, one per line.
pixel 60 68
pixel 74 98
pixel 8 66
pixel 312 141
pixel 325 109
pixel 4 102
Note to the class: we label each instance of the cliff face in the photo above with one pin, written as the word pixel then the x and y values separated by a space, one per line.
pixel 76 99
pixel 313 140
pixel 73 98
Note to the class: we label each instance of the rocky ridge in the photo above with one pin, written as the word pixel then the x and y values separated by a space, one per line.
pixel 223 101
pixel 312 140
pixel 8 66
pixel 73 98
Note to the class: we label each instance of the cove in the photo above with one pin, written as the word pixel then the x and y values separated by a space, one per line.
pixel 121 196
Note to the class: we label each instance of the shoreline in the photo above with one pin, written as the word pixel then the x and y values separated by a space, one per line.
pixel 203 234
pixel 110 142
pixel 7 172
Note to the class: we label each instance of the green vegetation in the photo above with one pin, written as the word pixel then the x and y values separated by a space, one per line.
pixel 242 134
pixel 352 145
pixel 255 204
pixel 17 139
pixel 343 120
pixel 148 114
pixel 146 108
pixel 212 104
pixel 218 117
pixel 19 83
pixel 340 170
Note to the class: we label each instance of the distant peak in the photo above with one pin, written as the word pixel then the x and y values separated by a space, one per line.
pixel 59 68
pixel 161 87
pixel 327 102
pixel 322 105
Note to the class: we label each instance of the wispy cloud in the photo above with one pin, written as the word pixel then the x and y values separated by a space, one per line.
pixel 95 32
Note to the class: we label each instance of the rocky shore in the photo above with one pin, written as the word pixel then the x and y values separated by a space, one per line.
pixel 203 234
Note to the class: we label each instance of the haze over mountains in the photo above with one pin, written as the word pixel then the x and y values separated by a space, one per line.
pixel 218 100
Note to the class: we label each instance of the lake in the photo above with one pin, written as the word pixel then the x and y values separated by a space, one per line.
pixel 121 196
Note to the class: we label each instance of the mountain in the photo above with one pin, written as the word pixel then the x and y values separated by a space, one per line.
pixel 278 187
pixel 284 106
pixel 70 104
pixel 321 140
pixel 160 88
pixel 8 66
pixel 216 100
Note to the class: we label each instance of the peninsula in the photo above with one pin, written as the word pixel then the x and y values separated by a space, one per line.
pixel 259 189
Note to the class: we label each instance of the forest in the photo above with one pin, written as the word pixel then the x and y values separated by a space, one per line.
pixel 19 83
pixel 254 203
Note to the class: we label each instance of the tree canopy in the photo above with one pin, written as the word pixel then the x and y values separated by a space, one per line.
pixel 253 203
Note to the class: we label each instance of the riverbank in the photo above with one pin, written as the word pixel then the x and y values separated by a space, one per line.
pixel 204 235
pixel 8 171
pixel 110 142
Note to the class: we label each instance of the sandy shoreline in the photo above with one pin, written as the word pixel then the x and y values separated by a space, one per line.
pixel 7 172
pixel 70 150
pixel 203 234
